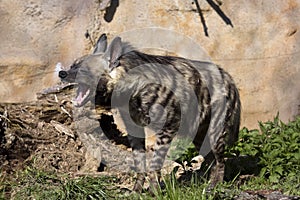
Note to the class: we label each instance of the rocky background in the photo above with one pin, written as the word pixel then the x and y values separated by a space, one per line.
pixel 256 41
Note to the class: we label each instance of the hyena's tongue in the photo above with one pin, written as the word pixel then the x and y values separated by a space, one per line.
pixel 82 95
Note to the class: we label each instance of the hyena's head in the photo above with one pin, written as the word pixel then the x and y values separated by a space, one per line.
pixel 92 73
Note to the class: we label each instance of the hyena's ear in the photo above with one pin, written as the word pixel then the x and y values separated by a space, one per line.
pixel 101 45
pixel 114 52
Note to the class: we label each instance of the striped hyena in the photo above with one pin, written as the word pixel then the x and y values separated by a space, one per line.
pixel 170 95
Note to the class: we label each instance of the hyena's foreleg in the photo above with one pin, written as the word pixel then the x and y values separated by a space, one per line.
pixel 139 158
pixel 136 138
pixel 161 147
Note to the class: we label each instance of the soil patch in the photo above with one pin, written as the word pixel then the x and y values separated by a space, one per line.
pixel 34 132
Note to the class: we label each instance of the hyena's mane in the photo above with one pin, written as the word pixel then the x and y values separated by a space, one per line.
pixel 135 58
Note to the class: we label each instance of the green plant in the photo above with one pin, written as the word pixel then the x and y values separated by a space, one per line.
pixel 276 145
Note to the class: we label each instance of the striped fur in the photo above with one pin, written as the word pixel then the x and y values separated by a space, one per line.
pixel 171 95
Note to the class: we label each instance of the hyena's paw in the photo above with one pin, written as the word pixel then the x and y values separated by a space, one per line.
pixel 216 175
pixel 139 183
pixel 154 178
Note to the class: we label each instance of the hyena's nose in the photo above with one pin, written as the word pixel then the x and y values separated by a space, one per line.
pixel 62 74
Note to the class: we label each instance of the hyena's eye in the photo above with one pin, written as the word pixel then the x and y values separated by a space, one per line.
pixel 62 74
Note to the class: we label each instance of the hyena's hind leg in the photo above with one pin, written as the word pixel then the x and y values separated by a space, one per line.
pixel 227 138
pixel 214 163
pixel 226 135
pixel 218 167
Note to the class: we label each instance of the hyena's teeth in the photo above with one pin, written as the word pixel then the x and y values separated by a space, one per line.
pixel 80 98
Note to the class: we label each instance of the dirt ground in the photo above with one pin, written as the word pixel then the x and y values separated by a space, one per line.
pixel 38 132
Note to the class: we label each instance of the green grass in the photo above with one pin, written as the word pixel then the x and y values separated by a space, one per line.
pixel 34 184
pixel 49 186
pixel 276 146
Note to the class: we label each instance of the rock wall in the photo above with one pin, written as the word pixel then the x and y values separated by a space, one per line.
pixel 35 35
pixel 257 42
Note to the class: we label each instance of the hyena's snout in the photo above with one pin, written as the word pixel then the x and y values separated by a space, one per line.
pixel 84 90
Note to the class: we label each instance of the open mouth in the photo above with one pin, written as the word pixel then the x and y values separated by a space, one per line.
pixel 83 95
